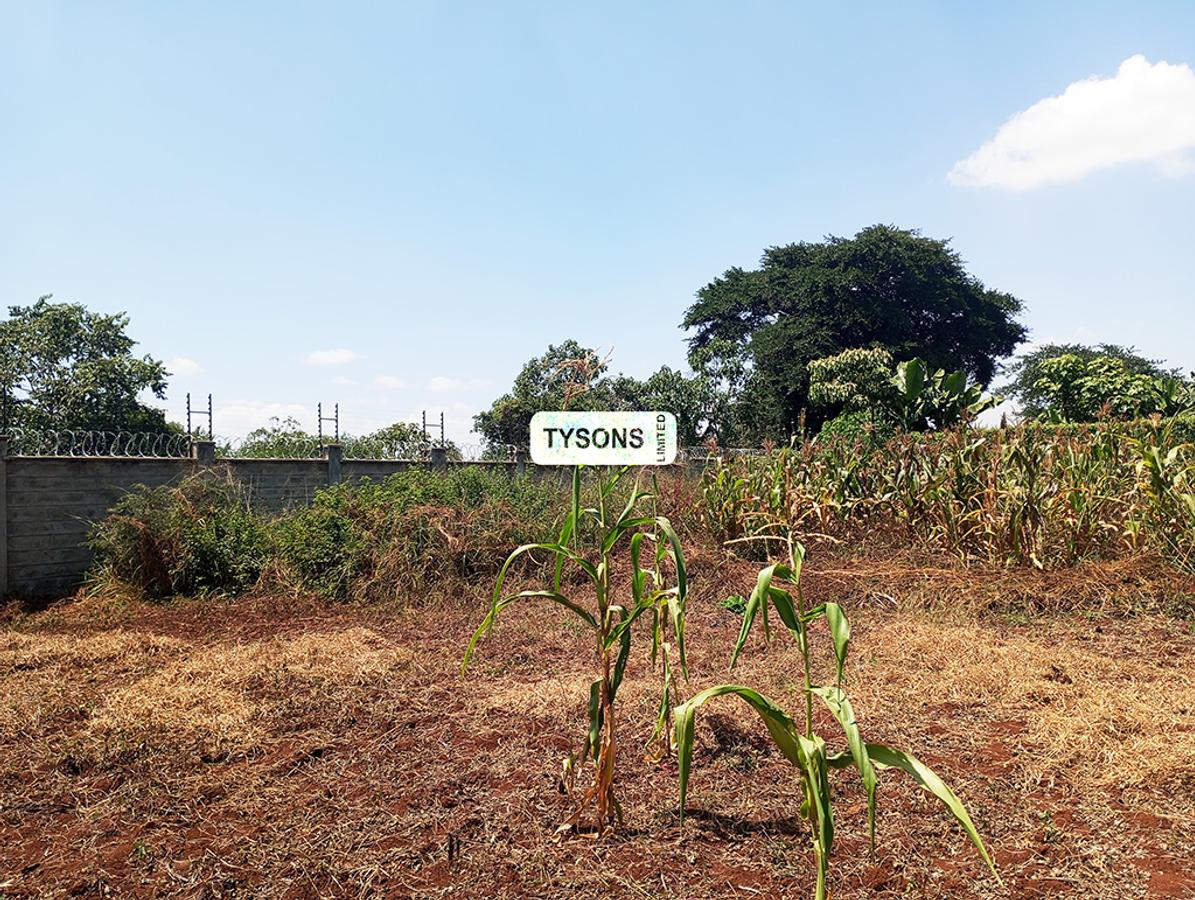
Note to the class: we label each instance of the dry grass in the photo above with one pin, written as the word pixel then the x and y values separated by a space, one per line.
pixel 1130 586
pixel 271 749
pixel 36 669
pixel 223 696
pixel 1098 707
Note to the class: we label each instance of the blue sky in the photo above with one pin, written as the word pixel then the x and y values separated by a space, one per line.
pixel 442 190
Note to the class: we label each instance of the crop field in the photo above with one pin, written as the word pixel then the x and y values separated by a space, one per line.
pixel 301 724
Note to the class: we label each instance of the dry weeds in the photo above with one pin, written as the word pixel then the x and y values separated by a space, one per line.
pixel 264 748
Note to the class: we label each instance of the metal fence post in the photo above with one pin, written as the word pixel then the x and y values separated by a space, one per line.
pixel 3 517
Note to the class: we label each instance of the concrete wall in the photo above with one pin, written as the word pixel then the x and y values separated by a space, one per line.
pixel 48 504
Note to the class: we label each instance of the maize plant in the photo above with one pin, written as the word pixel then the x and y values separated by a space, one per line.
pixel 609 622
pixel 1044 496
pixel 1168 483
pixel 802 746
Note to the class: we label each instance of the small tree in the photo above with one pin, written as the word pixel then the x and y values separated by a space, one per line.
pixel 1073 389
pixel 402 440
pixel 1037 398
pixel 691 400
pixel 549 381
pixel 281 439
pixel 575 376
pixel 855 380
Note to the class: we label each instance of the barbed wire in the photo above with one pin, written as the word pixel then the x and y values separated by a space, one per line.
pixel 67 442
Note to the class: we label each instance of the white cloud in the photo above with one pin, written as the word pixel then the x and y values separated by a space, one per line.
pixel 340 379
pixel 444 384
pixel 337 357
pixel 389 382
pixel 1144 114
pixel 182 365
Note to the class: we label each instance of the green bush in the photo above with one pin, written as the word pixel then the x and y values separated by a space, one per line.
pixel 858 426
pixel 318 547
pixel 396 538
pixel 199 537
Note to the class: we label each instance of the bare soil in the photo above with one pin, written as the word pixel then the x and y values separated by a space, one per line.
pixel 276 747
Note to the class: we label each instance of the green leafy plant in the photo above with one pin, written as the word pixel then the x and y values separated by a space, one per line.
pixel 802 746
pixel 853 381
pixel 1167 475
pixel 735 603
pixel 609 621
pixel 941 399
pixel 198 537
pixel 1074 387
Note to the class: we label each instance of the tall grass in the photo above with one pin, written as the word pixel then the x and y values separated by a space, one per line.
pixel 400 538
pixel 199 537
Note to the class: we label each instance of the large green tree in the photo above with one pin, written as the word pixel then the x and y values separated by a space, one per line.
pixel 63 366
pixel 567 372
pixel 885 287
pixel 691 399
pixel 572 376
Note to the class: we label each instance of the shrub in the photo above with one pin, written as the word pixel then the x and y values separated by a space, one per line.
pixel 318 547
pixel 858 426
pixel 375 540
pixel 398 537
pixel 199 537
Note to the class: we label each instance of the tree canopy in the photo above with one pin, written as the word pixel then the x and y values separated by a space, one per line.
pixel 1075 389
pixel 885 287
pixel 286 438
pixel 1071 388
pixel 569 375
pixel 62 366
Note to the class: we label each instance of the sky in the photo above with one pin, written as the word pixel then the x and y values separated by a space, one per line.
pixel 393 206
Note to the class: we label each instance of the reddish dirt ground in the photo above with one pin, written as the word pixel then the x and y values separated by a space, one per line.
pixel 274 747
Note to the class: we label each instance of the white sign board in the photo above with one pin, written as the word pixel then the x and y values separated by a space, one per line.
pixel 603 438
